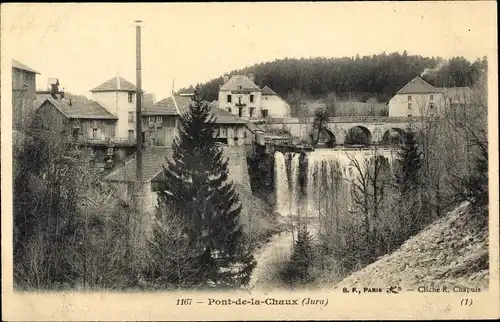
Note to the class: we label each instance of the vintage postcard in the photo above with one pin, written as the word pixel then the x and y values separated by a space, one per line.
pixel 249 161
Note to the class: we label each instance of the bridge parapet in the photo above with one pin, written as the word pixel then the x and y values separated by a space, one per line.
pixel 344 119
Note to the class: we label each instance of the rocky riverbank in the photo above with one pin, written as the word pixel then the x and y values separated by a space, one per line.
pixel 452 252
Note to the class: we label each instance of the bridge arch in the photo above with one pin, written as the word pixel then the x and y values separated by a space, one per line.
pixel 393 136
pixel 326 137
pixel 358 135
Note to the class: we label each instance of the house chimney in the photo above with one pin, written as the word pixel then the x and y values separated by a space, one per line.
pixel 226 78
pixel 251 76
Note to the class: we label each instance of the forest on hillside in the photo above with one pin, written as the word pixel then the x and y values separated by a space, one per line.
pixel 359 78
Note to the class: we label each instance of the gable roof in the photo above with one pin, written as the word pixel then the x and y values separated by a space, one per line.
pixel 179 104
pixel 80 109
pixel 236 81
pixel 268 91
pixel 115 84
pixel 17 64
pixel 416 86
pixel 165 106
pixel 153 160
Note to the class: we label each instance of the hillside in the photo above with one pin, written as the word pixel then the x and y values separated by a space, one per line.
pixel 453 251
pixel 377 76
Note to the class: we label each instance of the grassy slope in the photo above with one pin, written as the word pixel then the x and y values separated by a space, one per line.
pixel 451 251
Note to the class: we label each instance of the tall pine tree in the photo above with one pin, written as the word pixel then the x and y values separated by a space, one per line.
pixel 409 162
pixel 409 185
pixel 196 187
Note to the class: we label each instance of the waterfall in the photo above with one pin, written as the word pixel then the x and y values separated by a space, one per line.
pixel 281 184
pixel 295 184
pixel 322 166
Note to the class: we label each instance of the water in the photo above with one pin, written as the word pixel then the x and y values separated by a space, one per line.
pixel 328 177
pixel 281 184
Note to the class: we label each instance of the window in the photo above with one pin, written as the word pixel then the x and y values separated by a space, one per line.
pixel 431 98
pixel 151 119
pixel 229 99
pixel 229 109
pixel 76 133
pixel 264 113
pixel 240 87
pixel 251 98
pixel 245 134
pixel 252 109
pixel 409 105
pixel 94 133
pixel 131 117
pixel 223 131
pixel 131 134
pixel 409 98
pixel 240 111
pixel 130 97
pixel 159 119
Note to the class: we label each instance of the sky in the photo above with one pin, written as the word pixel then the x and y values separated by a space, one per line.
pixel 86 44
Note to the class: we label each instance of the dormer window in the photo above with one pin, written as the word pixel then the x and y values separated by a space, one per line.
pixel 130 97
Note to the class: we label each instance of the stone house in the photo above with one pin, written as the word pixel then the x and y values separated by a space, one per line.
pixel 118 96
pixel 23 93
pixel 417 98
pixel 160 120
pixel 240 96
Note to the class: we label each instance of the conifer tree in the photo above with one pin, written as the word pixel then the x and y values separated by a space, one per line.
pixel 409 184
pixel 297 269
pixel 409 162
pixel 196 187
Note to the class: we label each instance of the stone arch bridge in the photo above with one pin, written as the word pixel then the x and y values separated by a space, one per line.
pixel 375 128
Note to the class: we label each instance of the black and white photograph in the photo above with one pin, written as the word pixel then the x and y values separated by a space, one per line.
pixel 288 158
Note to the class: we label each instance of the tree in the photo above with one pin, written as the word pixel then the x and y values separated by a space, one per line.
pixel 372 102
pixel 297 269
pixel 331 104
pixel 320 118
pixel 409 162
pixel 408 181
pixel 196 188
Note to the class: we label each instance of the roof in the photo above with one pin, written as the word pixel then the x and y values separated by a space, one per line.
pixel 267 91
pixel 418 85
pixel 236 81
pixel 254 127
pixel 179 104
pixel 115 84
pixel 17 64
pixel 153 159
pixel 164 107
pixel 81 109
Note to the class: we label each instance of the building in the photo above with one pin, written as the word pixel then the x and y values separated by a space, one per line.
pixel 417 98
pixel 118 96
pixel 457 96
pixel 240 96
pixel 272 105
pixel 86 124
pixel 160 122
pixel 23 94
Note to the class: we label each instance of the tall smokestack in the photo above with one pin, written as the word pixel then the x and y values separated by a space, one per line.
pixel 138 107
